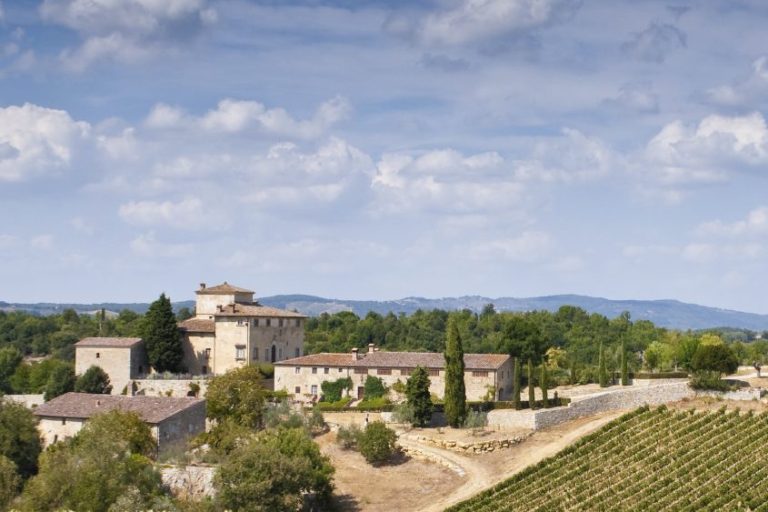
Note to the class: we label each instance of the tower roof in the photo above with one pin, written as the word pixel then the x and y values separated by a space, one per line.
pixel 221 289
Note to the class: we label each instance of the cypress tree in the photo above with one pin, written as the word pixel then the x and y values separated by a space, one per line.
pixel 624 370
pixel 162 338
pixel 543 385
pixel 602 372
pixel 417 393
pixel 516 383
pixel 455 392
pixel 531 394
pixel 573 377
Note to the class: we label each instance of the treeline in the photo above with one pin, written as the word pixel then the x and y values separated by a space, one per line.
pixel 569 337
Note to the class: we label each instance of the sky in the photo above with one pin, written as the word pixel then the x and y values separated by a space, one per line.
pixel 378 149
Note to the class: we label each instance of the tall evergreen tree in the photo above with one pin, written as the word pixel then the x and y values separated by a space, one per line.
pixel 531 394
pixel 624 369
pixel 543 385
pixel 602 372
pixel 516 383
pixel 162 337
pixel 455 392
pixel 419 399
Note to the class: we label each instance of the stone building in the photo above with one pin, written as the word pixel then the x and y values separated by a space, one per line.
pixel 303 376
pixel 231 330
pixel 170 419
pixel 123 359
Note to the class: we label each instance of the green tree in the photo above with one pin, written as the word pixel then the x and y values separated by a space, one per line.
pixel 418 397
pixel 60 381
pixel 95 468
pixel 602 372
pixel 9 482
pixel 517 383
pixel 19 437
pixel 332 390
pixel 653 355
pixel 237 395
pixel 162 338
pixel 544 386
pixel 531 392
pixel 624 365
pixel 377 443
pixel 374 388
pixel 274 472
pixel 455 392
pixel 718 359
pixel 10 359
pixel 94 380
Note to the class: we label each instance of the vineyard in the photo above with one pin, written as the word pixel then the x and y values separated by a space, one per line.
pixel 647 460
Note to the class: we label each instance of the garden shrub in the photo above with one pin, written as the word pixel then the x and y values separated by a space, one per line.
pixel 377 443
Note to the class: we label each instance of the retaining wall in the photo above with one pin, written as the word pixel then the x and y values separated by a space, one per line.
pixel 169 387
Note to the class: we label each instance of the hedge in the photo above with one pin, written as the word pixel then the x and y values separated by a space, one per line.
pixel 334 406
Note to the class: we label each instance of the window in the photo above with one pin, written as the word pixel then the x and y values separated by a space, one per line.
pixel 240 352
pixel 298 323
pixel 297 390
pixel 297 370
pixel 242 322
pixel 280 322
pixel 298 352
pixel 313 389
pixel 204 370
pixel 433 372
pixel 384 371
pixel 98 355
pixel 207 353
pixel 255 353
pixel 255 322
pixel 406 371
pixel 361 371
pixel 266 354
pixel 341 370
pixel 63 421
pixel 280 354
pixel 479 373
pixel 314 370
pixel 326 371
pixel 269 322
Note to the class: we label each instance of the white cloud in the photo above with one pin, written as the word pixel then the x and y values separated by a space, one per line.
pixel 125 30
pixel 746 91
pixel 147 245
pixel 42 242
pixel 190 213
pixel 36 141
pixel 468 21
pixel 637 96
pixel 680 155
pixel 231 116
pixel 529 246
pixel 756 223
pixel 655 42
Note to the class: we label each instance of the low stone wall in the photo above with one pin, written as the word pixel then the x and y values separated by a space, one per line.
pixel 479 446
pixel 741 394
pixel 589 405
pixel 416 453
pixel 169 387
pixel 646 383
pixel 28 401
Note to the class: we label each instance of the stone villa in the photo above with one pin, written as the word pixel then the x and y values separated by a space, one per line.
pixel 123 359
pixel 170 419
pixel 303 376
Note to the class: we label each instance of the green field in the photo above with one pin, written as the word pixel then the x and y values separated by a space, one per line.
pixel 658 460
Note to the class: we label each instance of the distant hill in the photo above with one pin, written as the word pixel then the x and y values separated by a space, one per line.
pixel 666 313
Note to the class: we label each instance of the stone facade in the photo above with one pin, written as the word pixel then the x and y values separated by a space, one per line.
pixel 168 387
pixel 303 377
pixel 123 359
pixel 230 330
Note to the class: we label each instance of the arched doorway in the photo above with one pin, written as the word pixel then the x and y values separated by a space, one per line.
pixel 274 354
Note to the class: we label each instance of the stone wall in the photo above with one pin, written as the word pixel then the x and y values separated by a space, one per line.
pixel 28 401
pixel 479 446
pixel 741 394
pixel 589 405
pixel 189 482
pixel 162 387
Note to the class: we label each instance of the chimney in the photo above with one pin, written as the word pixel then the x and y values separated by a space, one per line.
pixel 371 348
pixel 202 286
pixel 356 353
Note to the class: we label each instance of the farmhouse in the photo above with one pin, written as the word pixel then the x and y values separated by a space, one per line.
pixel 303 376
pixel 231 330
pixel 170 419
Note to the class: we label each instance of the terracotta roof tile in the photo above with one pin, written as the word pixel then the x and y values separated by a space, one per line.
pixel 151 409
pixel 382 359
pixel 223 288
pixel 256 310
pixel 198 325
pixel 108 342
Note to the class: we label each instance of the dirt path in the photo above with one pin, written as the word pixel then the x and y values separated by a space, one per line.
pixel 487 470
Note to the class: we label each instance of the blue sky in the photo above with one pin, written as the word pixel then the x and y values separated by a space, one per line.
pixel 382 149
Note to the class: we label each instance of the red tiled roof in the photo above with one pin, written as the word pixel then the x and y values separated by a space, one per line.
pixel 256 310
pixel 108 342
pixel 151 409
pixel 382 359
pixel 223 288
pixel 198 325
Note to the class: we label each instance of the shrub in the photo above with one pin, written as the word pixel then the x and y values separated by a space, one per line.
pixel 94 380
pixel 398 387
pixel 377 443
pixel 419 402
pixel 334 406
pixel 714 358
pixel 403 413
pixel 704 380
pixel 332 390
pixel 374 388
pixel 348 437
pixel 376 404
pixel 476 419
